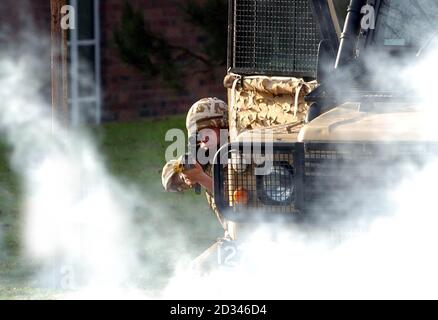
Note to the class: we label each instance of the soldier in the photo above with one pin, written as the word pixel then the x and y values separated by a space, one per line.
pixel 204 121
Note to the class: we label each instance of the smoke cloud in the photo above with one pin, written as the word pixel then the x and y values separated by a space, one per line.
pixel 89 233
pixel 368 241
pixel 82 225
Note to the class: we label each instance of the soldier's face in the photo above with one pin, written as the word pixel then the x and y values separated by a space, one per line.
pixel 209 138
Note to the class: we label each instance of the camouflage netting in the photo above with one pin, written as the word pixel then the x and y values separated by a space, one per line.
pixel 261 102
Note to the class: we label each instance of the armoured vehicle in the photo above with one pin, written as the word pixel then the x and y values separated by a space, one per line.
pixel 319 110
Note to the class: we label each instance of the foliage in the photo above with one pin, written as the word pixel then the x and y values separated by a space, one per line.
pixel 212 19
pixel 140 47
pixel 156 56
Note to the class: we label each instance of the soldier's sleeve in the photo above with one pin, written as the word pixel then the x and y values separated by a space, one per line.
pixel 213 207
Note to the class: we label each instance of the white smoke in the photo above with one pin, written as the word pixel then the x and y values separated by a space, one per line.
pixel 90 235
pixel 73 209
pixel 385 256
pixel 80 222
pixel 394 257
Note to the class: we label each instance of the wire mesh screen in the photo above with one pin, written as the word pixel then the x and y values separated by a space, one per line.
pixel 275 37
pixel 355 178
pixel 273 190
pixel 327 180
pixel 255 182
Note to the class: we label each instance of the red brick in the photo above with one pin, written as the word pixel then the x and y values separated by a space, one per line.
pixel 126 92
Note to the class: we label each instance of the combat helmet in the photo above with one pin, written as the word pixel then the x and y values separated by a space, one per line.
pixel 207 113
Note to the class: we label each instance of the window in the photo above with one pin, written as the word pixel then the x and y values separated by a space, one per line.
pixel 84 57
pixel 408 23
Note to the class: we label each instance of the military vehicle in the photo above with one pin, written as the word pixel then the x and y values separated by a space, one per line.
pixel 311 95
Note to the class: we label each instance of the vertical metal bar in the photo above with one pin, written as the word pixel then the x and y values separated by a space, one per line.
pixel 74 69
pixel 298 154
pixel 349 35
pixel 335 18
pixel 324 14
pixel 59 63
pixel 97 62
pixel 230 53
pixel 234 32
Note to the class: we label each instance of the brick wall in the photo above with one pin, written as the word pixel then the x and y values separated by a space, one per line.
pixel 41 13
pixel 25 28
pixel 18 16
pixel 127 94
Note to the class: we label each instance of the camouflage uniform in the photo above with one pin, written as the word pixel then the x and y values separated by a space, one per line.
pixel 206 113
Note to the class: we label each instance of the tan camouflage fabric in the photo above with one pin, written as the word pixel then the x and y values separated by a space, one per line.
pixel 208 169
pixel 215 209
pixel 260 102
pixel 207 113
pixel 173 182
pixel 171 178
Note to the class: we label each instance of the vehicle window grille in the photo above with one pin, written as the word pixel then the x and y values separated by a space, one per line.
pixel 274 37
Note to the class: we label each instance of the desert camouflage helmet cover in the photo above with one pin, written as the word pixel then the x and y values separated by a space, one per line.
pixel 207 113
pixel 170 177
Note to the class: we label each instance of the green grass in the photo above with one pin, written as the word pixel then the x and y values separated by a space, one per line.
pixel 133 153
pixel 9 204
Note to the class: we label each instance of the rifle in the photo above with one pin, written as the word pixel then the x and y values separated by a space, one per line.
pixel 188 161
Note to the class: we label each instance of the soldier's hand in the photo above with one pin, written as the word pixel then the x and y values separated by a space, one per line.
pixel 194 175
pixel 187 181
pixel 198 176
